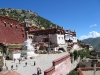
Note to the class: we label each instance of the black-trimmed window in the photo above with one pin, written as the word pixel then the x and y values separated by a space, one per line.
pixel 4 24
pixel 10 26
pixel 23 35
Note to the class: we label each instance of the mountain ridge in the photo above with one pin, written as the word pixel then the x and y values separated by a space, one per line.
pixel 95 42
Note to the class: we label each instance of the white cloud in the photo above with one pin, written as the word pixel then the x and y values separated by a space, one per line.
pixel 93 25
pixel 92 34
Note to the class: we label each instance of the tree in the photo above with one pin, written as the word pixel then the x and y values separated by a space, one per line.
pixel 75 54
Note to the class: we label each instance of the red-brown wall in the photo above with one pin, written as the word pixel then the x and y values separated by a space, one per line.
pixel 60 66
pixel 11 35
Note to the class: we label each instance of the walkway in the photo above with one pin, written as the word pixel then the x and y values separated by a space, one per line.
pixel 44 61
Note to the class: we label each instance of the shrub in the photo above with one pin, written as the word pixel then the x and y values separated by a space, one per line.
pixel 73 73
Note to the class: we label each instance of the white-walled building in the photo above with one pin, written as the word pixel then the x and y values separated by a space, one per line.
pixel 70 36
pixel 55 35
pixel 54 38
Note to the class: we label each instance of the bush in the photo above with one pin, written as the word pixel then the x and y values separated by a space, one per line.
pixel 75 54
pixel 10 51
pixel 81 53
pixel 73 73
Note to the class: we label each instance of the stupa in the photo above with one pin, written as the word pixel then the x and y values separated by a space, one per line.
pixel 27 49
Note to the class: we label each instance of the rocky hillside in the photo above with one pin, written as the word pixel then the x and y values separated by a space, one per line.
pixel 95 42
pixel 21 15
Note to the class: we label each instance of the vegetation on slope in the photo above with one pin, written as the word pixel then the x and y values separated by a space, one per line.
pixel 82 53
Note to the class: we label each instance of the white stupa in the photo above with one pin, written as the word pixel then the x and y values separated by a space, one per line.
pixel 27 43
pixel 30 49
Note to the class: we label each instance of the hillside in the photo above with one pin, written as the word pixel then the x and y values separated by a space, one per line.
pixel 93 41
pixel 21 15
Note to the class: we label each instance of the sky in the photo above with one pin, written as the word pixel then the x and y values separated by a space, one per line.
pixel 83 16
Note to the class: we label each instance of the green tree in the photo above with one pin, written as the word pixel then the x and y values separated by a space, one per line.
pixel 75 54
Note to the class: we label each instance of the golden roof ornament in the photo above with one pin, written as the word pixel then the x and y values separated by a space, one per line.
pixel 34 25
pixel 43 28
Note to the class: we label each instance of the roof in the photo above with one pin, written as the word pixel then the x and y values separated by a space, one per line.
pixel 47 31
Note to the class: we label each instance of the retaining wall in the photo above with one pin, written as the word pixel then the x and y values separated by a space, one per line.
pixel 61 66
pixel 86 69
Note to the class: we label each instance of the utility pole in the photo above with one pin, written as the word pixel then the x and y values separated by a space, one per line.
pixel 49 45
pixel 94 68
pixel 26 34
pixel 95 63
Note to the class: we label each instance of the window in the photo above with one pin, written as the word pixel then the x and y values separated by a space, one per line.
pixel 11 26
pixel 23 35
pixel 4 24
pixel 22 30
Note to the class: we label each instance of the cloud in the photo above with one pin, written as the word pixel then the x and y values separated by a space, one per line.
pixel 93 25
pixel 92 34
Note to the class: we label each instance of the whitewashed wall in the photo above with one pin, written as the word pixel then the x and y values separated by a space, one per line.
pixel 16 56
pixel 74 39
pixel 71 37
pixel 67 36
pixel 60 39
pixel 56 48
